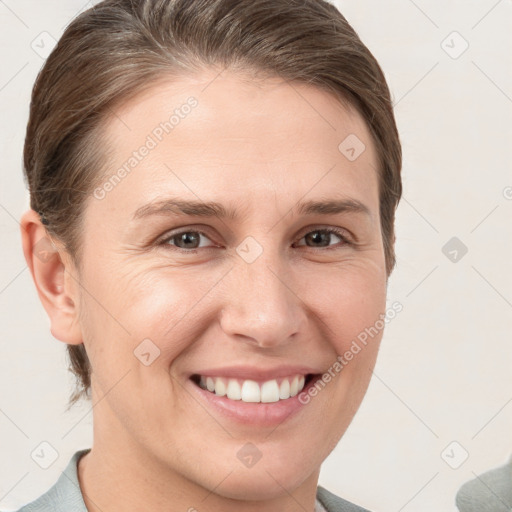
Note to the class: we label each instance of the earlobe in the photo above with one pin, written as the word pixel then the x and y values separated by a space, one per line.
pixel 54 278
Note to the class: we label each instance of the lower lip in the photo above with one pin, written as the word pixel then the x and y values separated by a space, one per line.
pixel 252 413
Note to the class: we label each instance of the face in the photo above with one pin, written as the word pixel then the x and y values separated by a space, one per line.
pixel 265 284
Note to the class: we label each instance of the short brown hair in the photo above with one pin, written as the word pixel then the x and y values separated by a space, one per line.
pixel 118 47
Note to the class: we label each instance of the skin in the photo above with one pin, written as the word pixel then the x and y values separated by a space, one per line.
pixel 260 147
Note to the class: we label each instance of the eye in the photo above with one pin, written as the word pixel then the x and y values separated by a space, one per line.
pixel 322 237
pixel 185 240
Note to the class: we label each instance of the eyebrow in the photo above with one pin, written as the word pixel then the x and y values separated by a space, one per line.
pixel 177 207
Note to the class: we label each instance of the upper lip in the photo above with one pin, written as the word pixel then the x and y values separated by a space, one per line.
pixel 254 373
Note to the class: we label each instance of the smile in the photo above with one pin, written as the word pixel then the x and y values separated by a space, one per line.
pixel 247 390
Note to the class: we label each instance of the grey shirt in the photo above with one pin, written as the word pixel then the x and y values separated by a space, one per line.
pixel 488 492
pixel 66 496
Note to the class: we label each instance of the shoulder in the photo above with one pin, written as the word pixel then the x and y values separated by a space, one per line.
pixel 489 491
pixel 333 503
pixel 65 494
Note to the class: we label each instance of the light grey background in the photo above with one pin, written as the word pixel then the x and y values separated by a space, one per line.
pixel 444 369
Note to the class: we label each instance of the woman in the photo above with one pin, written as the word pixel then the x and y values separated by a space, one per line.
pixel 214 186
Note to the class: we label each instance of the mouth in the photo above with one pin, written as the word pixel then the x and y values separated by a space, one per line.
pixel 252 391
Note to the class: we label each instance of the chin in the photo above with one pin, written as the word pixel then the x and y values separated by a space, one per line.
pixel 272 476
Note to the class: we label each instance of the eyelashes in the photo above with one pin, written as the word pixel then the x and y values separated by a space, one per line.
pixel 180 237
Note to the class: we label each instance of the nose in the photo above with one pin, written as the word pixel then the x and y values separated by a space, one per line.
pixel 261 305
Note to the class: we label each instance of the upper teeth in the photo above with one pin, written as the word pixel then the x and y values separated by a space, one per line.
pixel 251 391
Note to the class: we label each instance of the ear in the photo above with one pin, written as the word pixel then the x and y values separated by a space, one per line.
pixel 55 278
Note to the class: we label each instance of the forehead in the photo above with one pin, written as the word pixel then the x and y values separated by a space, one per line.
pixel 212 133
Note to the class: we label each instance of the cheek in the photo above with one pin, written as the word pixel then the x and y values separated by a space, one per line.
pixel 358 311
pixel 157 311
pixel 349 302
pixel 360 322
